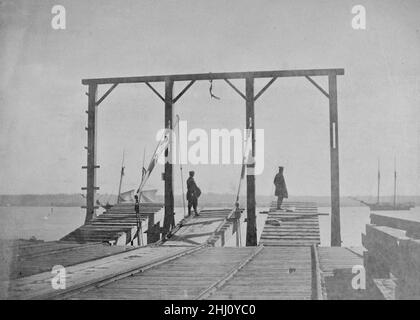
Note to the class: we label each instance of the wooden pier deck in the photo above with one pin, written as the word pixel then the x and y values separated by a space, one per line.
pixel 297 225
pixel 280 273
pixel 338 267
pixel 212 226
pixel 188 265
pixel 193 264
pixel 90 273
pixel 285 271
pixel 24 258
pixel 218 273
pixel 117 225
pixel 93 262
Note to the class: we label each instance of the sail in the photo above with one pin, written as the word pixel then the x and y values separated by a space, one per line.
pixel 148 196
pixel 127 196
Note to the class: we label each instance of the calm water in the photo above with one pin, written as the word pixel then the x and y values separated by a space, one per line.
pixel 48 223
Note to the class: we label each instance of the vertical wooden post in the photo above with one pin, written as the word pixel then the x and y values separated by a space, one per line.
pixel 169 219
pixel 335 179
pixel 251 227
pixel 91 153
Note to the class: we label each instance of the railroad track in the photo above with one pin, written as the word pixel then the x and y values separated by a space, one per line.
pixel 205 272
pixel 116 277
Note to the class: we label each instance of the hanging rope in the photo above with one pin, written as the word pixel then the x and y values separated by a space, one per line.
pixel 211 91
pixel 180 168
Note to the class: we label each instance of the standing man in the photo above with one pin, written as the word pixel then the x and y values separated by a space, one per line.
pixel 193 192
pixel 281 189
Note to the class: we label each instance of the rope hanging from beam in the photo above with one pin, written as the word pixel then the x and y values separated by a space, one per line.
pixel 211 91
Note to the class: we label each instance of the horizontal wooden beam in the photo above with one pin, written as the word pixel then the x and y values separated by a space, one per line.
pixel 217 76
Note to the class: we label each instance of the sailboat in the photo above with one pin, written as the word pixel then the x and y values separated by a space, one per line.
pixel 394 206
pixel 145 196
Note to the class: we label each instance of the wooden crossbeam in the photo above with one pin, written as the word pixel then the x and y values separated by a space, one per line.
pixel 155 91
pixel 106 94
pixel 217 76
pixel 318 86
pixel 265 88
pixel 236 89
pixel 183 91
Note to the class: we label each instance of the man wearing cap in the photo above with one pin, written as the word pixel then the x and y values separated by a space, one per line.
pixel 193 192
pixel 281 189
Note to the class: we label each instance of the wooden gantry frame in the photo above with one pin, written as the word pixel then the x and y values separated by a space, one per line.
pixel 250 97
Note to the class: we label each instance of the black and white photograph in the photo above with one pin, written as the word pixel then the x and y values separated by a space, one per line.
pixel 227 150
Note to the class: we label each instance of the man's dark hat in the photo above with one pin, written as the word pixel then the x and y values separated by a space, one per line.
pixel 191 172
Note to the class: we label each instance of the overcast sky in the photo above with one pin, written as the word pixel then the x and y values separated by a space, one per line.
pixel 42 105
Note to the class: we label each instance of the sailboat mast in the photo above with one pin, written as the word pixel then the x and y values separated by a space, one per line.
pixel 395 182
pixel 121 178
pixel 379 180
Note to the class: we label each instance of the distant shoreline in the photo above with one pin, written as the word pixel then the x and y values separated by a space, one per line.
pixel 206 200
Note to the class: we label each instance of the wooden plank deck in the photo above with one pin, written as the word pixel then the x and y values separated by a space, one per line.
pixel 188 265
pixel 78 276
pixel 117 225
pixel 212 226
pixel 25 258
pixel 274 273
pixel 243 273
pixel 298 225
pixel 184 278
pixel 336 265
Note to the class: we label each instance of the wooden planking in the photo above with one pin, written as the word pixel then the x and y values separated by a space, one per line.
pixel 211 226
pixel 333 258
pixel 78 276
pixel 298 225
pixel 183 278
pixel 407 221
pixel 336 265
pixel 275 273
pixel 120 220
pixel 392 253
pixel 42 258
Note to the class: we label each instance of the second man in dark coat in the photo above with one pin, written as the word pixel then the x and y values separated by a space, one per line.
pixel 281 189
pixel 193 192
